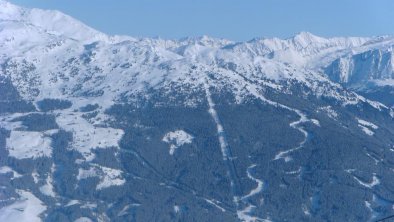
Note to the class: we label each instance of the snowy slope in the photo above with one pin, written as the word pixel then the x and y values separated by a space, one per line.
pixel 56 63
pixel 92 113
pixel 62 41
pixel 58 24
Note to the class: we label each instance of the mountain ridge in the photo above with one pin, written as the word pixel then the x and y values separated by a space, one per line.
pixel 200 49
pixel 302 51
pixel 115 128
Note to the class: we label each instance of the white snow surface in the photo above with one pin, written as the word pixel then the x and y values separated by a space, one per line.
pixel 36 176
pixel 366 130
pixel 375 181
pixel 7 169
pixel 26 144
pixel 244 215
pixel 83 219
pixel 329 111
pixel 259 182
pixel 87 136
pixel 27 209
pixel 212 202
pixel 108 176
pixel 112 177
pixel 72 203
pixel 177 139
pixel 48 189
pixel 367 127
pixel 316 122
pixel 177 209
pixel 63 58
pixel 220 130
pixel 367 124
pixel 59 24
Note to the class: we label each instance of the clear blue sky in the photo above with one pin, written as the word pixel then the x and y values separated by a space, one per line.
pixel 232 19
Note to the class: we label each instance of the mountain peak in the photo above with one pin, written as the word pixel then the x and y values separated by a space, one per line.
pixel 58 24
pixel 304 34
pixel 9 11
pixel 306 38
pixel 4 2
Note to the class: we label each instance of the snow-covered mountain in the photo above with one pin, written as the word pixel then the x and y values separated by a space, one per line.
pixel 113 128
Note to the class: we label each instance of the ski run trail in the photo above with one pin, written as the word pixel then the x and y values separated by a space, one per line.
pixel 244 207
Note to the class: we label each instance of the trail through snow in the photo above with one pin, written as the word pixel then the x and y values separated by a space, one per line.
pixel 295 125
pixel 242 203
pixel 245 213
pixel 260 183
pixel 252 88
pixel 244 208
pixel 225 149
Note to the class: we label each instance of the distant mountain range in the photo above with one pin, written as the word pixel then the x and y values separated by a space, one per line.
pixel 114 128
